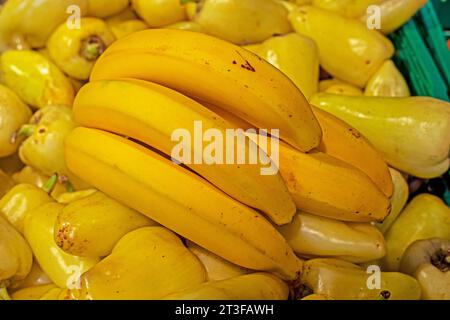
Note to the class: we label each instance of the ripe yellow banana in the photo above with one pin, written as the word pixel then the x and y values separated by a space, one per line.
pixel 216 71
pixel 348 193
pixel 344 142
pixel 216 267
pixel 255 286
pixel 179 200
pixel 140 110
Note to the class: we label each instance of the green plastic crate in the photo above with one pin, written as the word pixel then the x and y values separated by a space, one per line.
pixel 422 53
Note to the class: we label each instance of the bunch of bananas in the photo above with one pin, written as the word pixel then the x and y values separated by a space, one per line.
pixel 98 201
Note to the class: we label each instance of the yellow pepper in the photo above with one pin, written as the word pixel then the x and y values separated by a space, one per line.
pixel 429 262
pixel 317 297
pixel 36 79
pixel 310 236
pixel 412 133
pixel 148 263
pixel 243 21
pixel 426 216
pixel 346 281
pixel 348 50
pixel 75 51
pixel 32 176
pixel 6 183
pixel 15 254
pixel 32 21
pixel 122 29
pixel 46 131
pixel 13 114
pixel 62 268
pixel 387 81
pixel 296 56
pixel 346 8
pixel 78 224
pixel 36 277
pixel 186 25
pixel 159 13
pixel 398 200
pixel 106 8
pixel 20 200
pixel 327 83
pixel 344 89
pixel 216 267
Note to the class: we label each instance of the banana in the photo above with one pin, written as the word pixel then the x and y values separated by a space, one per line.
pixel 344 142
pixel 179 200
pixel 148 263
pixel 33 292
pixel 216 267
pixel 348 195
pixel 340 141
pixel 256 286
pixel 106 105
pixel 216 71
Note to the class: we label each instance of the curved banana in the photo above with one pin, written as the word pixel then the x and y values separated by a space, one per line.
pixel 311 235
pixel 364 202
pixel 255 286
pixel 345 143
pixel 216 71
pixel 180 200
pixel 106 105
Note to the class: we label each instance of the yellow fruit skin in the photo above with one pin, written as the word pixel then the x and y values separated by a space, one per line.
pixel 255 286
pixel 344 142
pixel 346 281
pixel 395 13
pixel 62 268
pixel 158 13
pixel 106 8
pixel 15 254
pixel 267 98
pixel 311 235
pixel 435 284
pixel 353 53
pixel 243 21
pixel 302 171
pixel 347 8
pixel 151 257
pixel 216 267
pixel 122 29
pixel 33 292
pixel 325 84
pixel 35 79
pixel 415 140
pixel 398 200
pixel 344 89
pixel 387 82
pixel 33 21
pixel 105 105
pixel 78 224
pixel 426 216
pixel 296 56
pixel 20 200
pixel 13 114
pixel 317 297
pixel 28 175
pixel 6 183
pixel 69 48
pixel 44 149
pixel 36 277
pixel 186 25
pixel 178 199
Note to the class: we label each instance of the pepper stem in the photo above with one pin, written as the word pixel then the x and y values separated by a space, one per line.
pixel 4 295
pixel 27 130
pixel 92 48
pixel 50 184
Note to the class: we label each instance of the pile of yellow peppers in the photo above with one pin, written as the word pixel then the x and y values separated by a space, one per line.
pixel 62 237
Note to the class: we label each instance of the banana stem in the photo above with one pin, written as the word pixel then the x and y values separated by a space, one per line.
pixel 92 48
pixel 50 184
pixel 4 295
